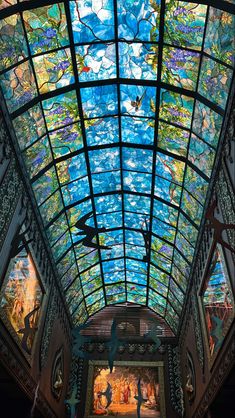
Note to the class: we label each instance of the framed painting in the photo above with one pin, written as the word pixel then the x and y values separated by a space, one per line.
pixel 217 303
pixel 21 299
pixel 117 393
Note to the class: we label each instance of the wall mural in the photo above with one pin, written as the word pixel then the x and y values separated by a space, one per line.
pixel 20 299
pixel 133 389
pixel 218 302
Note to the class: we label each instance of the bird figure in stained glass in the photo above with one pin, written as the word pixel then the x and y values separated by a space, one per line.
pixel 137 102
pixel 108 394
pixel 80 340
pixel 72 402
pixel 90 233
pixel 28 331
pixel 113 345
pixel 152 333
pixel 139 398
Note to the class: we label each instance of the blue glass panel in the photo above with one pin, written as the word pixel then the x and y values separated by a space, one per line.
pixel 138 100
pixel 76 191
pixel 141 23
pixel 107 159
pixel 136 220
pixel 135 251
pixel 108 203
pixel 113 266
pixel 167 190
pixel 115 277
pixel 165 212
pixel 136 203
pixel 110 220
pixel 96 131
pixel 92 20
pixel 135 159
pixel 134 238
pixel 96 62
pixel 99 101
pixel 137 182
pixel 138 61
pixel 137 130
pixel 106 182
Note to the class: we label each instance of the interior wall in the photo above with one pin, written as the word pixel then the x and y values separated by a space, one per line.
pixel 210 375
pixel 32 373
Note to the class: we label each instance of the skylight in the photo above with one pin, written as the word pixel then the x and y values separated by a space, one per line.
pixel 117 107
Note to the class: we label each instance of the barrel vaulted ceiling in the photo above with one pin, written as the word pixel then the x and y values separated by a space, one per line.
pixel 117 107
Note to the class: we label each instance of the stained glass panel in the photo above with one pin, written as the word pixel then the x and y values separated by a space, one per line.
pixel 117 108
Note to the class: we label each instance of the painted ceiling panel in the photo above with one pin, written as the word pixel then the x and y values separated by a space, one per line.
pixel 117 107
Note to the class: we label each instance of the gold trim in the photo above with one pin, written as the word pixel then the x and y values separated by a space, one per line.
pixel 92 363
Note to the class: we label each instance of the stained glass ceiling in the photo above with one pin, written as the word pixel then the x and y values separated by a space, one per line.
pixel 117 108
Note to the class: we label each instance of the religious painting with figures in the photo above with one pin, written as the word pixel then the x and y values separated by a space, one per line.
pixel 131 390
pixel 21 298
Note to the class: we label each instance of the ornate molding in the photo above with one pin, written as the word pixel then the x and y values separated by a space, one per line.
pixel 142 348
pixel 230 135
pixel 5 148
pixel 176 393
pixel 219 375
pixel 198 331
pixel 10 191
pixel 48 326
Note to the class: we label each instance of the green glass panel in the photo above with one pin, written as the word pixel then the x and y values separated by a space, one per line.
pixel 37 156
pixel 214 82
pixel 61 110
pixel 172 139
pixel 53 70
pixel 184 23
pixel 180 67
pixel 13 47
pixel 29 126
pixel 220 40
pixel 46 28
pixel 18 86
pixel 176 108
